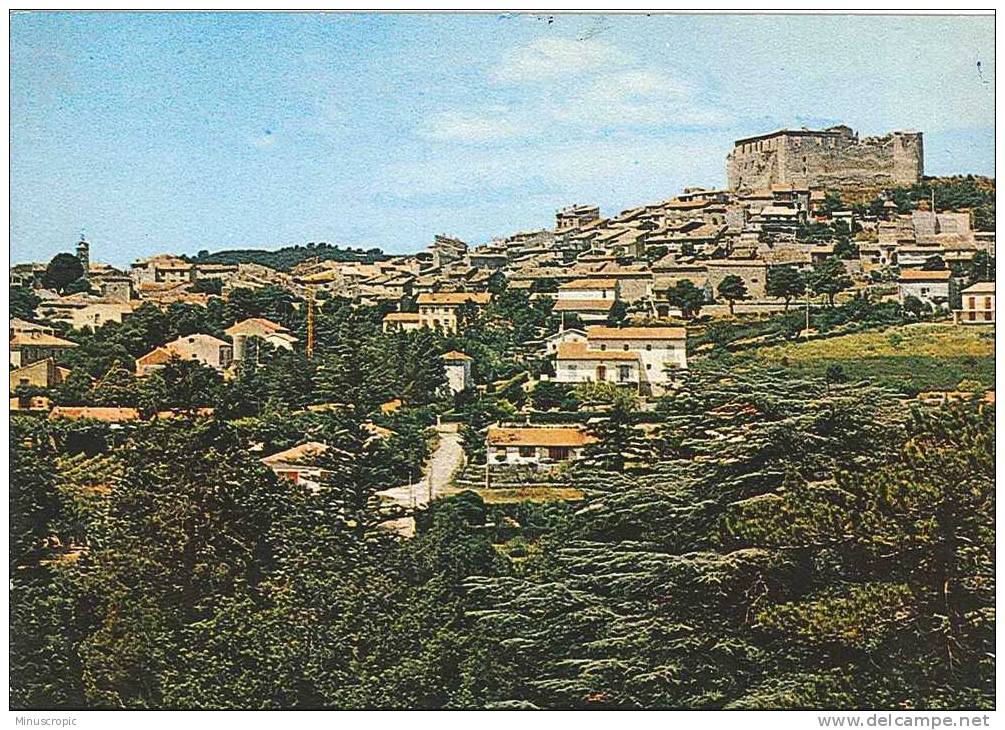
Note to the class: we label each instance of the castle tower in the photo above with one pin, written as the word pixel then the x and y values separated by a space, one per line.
pixel 84 254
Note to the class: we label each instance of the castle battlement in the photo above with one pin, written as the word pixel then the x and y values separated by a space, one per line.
pixel 834 158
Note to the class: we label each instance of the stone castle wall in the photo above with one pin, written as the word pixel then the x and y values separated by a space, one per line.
pixel 833 159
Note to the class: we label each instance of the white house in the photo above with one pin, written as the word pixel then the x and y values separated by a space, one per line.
pixel 978 304
pixel 458 368
pixel 577 362
pixel 551 342
pixel 629 355
pixel 81 311
pixel 535 445
pixel 579 289
pixel 933 287
pixel 658 348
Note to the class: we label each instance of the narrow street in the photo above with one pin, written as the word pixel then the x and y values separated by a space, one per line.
pixel 435 482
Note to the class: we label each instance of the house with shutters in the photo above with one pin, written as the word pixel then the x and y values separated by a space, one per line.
pixel 977 304
pixel 635 356
pixel 440 309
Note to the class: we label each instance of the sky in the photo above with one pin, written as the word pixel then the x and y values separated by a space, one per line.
pixel 171 132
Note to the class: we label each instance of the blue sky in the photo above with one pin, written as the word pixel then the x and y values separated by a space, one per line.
pixel 178 132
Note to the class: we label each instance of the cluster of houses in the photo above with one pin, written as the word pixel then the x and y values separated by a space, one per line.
pixel 587 264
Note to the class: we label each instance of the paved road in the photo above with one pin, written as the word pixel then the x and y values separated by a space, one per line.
pixel 438 472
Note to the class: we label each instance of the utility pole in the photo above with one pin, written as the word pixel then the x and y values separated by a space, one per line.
pixel 310 322
pixel 807 330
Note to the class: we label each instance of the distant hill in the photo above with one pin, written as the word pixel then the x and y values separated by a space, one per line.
pixel 284 259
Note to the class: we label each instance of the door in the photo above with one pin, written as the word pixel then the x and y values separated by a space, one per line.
pixel 601 373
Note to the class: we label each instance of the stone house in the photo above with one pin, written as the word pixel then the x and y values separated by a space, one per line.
pixel 542 445
pixel 29 347
pixel 81 311
pixel 39 374
pixel 932 287
pixel 206 349
pixel 272 332
pixel 753 272
pixel 162 269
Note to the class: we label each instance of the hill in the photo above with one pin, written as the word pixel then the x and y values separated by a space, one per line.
pixel 910 358
pixel 284 259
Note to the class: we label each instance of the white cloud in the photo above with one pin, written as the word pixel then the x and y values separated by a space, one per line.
pixel 549 58
pixel 637 97
pixel 485 126
pixel 264 140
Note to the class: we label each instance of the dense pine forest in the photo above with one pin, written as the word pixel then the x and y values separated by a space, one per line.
pixel 762 539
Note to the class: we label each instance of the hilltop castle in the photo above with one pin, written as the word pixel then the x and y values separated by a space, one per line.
pixel 833 158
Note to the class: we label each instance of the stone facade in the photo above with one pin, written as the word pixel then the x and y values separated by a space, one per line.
pixel 834 158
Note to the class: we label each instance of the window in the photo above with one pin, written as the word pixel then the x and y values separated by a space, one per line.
pixel 649 347
pixel 603 347
pixel 526 451
pixel 987 302
pixel 558 453
pixel 624 373
pixel 625 346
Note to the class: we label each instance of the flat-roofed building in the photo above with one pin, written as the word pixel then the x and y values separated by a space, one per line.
pixel 81 311
pixel 588 310
pixel 579 289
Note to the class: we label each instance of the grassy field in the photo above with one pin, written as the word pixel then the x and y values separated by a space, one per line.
pixel 908 358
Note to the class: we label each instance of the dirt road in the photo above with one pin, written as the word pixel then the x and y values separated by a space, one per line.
pixel 438 472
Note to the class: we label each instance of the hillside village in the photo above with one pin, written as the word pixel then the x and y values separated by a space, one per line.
pixel 479 390
pixel 618 294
